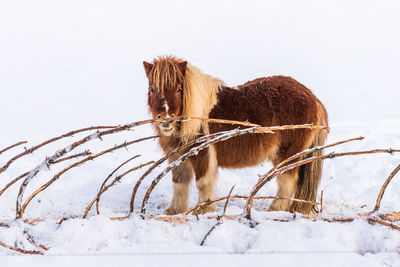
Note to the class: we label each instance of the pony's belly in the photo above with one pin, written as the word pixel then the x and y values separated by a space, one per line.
pixel 245 151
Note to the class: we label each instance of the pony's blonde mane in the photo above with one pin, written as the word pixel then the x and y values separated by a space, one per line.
pixel 199 96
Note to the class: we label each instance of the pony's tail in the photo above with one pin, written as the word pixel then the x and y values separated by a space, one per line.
pixel 309 177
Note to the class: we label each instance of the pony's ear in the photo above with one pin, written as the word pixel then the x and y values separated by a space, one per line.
pixel 182 67
pixel 147 67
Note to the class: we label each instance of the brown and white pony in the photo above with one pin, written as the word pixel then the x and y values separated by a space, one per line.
pixel 177 88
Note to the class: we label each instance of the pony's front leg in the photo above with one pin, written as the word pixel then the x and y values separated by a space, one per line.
pixel 287 183
pixel 206 170
pixel 181 178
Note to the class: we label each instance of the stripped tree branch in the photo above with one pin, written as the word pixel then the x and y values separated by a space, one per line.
pixel 219 218
pixel 21 209
pixel 20 250
pixel 86 153
pixel 12 146
pixel 58 154
pixel 391 225
pixel 105 188
pixel 108 177
pixel 385 184
pixel 31 150
pixel 206 203
pixel 285 168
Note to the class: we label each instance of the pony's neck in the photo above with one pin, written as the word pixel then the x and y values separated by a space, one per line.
pixel 200 97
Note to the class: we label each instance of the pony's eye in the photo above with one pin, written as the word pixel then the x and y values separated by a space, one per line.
pixel 179 90
pixel 152 90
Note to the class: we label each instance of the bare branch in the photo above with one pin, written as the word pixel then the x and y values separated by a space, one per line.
pixel 206 203
pixel 12 146
pixel 108 177
pixel 69 148
pixel 285 168
pixel 82 154
pixel 385 184
pixel 31 150
pixel 20 250
pixel 209 232
pixel 54 162
pixel 21 209
pixel 391 225
pixel 105 188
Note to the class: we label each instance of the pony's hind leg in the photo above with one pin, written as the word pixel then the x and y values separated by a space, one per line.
pixel 287 183
pixel 181 177
pixel 206 170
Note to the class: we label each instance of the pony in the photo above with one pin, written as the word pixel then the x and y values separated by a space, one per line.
pixel 177 88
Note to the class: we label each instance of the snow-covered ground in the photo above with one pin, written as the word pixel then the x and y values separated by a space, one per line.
pixel 71 64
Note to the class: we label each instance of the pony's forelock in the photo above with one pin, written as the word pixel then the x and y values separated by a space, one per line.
pixel 166 72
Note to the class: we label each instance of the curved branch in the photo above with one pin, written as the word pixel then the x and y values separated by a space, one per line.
pixel 105 188
pixel 20 250
pixel 385 184
pixel 12 146
pixel 21 209
pixel 31 150
pixel 206 203
pixel 85 153
pixel 108 177
pixel 58 154
pixel 285 168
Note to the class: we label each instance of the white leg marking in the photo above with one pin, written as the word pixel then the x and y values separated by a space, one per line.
pixel 206 184
pixel 179 201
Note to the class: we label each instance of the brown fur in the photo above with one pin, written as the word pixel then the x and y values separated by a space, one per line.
pixel 269 101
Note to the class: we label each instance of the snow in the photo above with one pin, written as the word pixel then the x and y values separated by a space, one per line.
pixel 71 64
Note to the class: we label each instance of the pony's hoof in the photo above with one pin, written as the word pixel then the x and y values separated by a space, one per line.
pixel 171 211
pixel 206 209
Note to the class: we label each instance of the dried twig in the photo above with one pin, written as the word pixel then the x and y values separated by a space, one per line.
pixel 82 154
pixel 206 203
pixel 58 154
pixel 108 177
pixel 385 184
pixel 20 250
pixel 393 216
pixel 285 168
pixel 85 153
pixel 322 200
pixel 227 200
pixel 209 232
pixel 391 225
pixel 31 150
pixel 219 218
pixel 21 209
pixel 12 146
pixel 105 188
pixel 33 241
pixel 306 152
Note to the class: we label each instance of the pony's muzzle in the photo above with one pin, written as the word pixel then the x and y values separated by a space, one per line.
pixel 166 126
